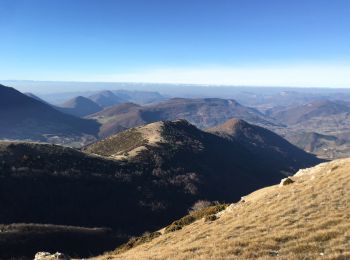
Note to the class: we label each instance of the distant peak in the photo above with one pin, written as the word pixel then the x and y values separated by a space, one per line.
pixel 234 122
pixel 78 101
pixel 106 92
pixel 230 126
pixel 80 98
pixel 132 141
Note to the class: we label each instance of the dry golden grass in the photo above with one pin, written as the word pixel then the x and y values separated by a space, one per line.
pixel 309 219
pixel 128 143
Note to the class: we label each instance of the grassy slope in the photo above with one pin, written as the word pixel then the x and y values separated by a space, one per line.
pixel 304 220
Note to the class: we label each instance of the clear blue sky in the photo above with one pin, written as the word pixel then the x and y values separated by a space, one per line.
pixel 137 39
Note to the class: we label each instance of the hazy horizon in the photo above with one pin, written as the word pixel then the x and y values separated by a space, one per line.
pixel 169 89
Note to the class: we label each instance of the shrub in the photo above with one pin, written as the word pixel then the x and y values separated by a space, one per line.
pixel 200 204
pixel 178 224
pixel 136 241
pixel 208 213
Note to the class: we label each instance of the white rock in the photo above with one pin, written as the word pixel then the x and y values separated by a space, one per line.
pixel 286 181
pixel 49 256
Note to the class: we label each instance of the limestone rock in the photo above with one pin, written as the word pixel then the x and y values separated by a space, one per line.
pixel 286 181
pixel 49 256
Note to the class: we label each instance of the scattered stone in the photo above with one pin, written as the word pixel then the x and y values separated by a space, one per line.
pixel 41 255
pixel 273 253
pixel 286 181
pixel 49 256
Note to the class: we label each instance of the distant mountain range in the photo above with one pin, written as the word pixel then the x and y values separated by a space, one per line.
pixel 26 118
pixel 203 113
pixel 139 97
pixel 108 97
pixel 142 178
pixel 318 125
pixel 321 127
pixel 302 113
pixel 80 107
pixel 325 146
pixel 84 106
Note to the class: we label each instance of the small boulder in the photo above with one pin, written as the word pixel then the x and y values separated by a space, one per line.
pixel 286 181
pixel 273 253
pixel 49 256
pixel 41 255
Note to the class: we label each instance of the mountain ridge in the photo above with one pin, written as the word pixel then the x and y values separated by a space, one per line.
pixel 80 106
pixel 318 108
pixel 106 98
pixel 203 113
pixel 23 117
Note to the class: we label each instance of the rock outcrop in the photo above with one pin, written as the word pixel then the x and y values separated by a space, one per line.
pixel 49 256
pixel 286 181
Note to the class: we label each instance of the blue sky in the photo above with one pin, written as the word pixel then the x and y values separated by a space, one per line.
pixel 238 42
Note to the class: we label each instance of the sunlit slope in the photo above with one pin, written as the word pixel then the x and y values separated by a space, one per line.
pixel 308 219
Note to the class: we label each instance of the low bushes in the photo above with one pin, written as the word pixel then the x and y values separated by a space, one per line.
pixel 208 213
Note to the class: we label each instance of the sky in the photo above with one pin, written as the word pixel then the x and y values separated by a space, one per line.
pixel 231 42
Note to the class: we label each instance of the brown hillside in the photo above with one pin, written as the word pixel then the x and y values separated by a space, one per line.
pixel 202 112
pixel 308 219
pixel 306 112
